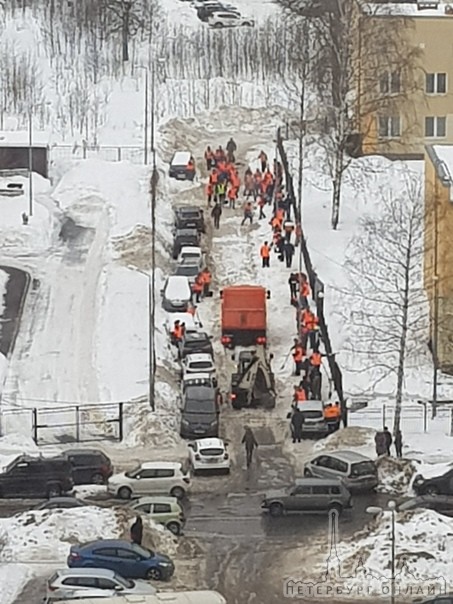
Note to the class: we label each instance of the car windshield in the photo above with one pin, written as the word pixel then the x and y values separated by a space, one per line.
pixel 200 407
pixel 132 473
pixel 363 468
pixel 211 451
pixel 144 553
pixel 312 414
pixel 124 582
pixel 190 270
pixel 201 365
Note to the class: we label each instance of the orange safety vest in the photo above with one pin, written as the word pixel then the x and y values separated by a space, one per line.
pixel 232 193
pixel 214 178
pixel 208 155
pixel 209 188
pixel 191 310
pixel 280 214
pixel 265 251
pixel 191 165
pixel 298 354
pixel 304 289
pixel 198 285
pixel 275 223
pixel 315 359
pixel 300 395
pixel 205 277
pixel 330 413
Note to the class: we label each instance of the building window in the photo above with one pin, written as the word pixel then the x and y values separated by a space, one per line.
pixel 389 127
pixel 436 83
pixel 390 82
pixel 435 127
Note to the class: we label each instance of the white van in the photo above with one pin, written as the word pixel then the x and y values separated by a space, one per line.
pixel 182 166
pixel 162 597
pixel 176 294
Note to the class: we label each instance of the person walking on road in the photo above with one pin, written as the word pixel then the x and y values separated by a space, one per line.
pixel 265 253
pixel 263 160
pixel 231 150
pixel 216 213
pixel 248 213
pixel 297 422
pixel 388 440
pixel 137 531
pixel 398 444
pixel 250 443
pixel 288 252
pixel 298 356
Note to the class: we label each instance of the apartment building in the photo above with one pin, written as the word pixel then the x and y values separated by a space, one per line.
pixel 438 264
pixel 421 112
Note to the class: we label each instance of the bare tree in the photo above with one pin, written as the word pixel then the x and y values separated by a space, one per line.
pixel 386 304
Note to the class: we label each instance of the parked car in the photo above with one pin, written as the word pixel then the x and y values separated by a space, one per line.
pixel 89 466
pixel 189 269
pixel 76 596
pixel 176 294
pixel 199 362
pixel 357 471
pixel 445 598
pixel 36 477
pixel 223 19
pixel 437 485
pixel 191 322
pixel 61 503
pixel 163 597
pixel 180 166
pixel 164 510
pixel 443 504
pixel 209 8
pixel 315 424
pixel 129 559
pixel 67 582
pixel 185 238
pixel 209 454
pixel 196 342
pixel 190 217
pixel 193 254
pixel 309 495
pixel 198 379
pixel 200 412
pixel 151 478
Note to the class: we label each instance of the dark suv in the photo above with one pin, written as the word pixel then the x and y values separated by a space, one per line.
pixel 200 413
pixel 36 477
pixel 185 237
pixel 89 466
pixel 189 217
pixel 437 485
pixel 195 342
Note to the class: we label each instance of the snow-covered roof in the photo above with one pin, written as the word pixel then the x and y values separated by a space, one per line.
pixel 412 9
pixel 442 159
pixel 161 465
pixel 20 138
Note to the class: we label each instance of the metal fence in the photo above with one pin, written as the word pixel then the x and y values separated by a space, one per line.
pixel 132 153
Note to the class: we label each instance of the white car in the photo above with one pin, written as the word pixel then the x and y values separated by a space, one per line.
pixel 72 582
pixel 151 478
pixel 191 253
pixel 198 379
pixel 219 20
pixel 209 454
pixel 176 294
pixel 163 597
pixel 200 362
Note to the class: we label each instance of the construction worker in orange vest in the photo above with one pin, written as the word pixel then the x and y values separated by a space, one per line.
pixel 232 196
pixel 332 415
pixel 209 193
pixel 304 289
pixel 298 356
pixel 316 359
pixel 209 157
pixel 214 177
pixel 311 326
pixel 298 234
pixel 299 395
pixel 205 277
pixel 265 253
pixel 191 309
pixel 197 288
pixel 276 224
pixel 176 333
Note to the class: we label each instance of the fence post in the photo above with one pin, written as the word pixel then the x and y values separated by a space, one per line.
pixel 34 424
pixel 119 154
pixel 120 421
pixel 425 417
pixel 383 415
pixel 77 423
pixel 84 149
pixel 451 422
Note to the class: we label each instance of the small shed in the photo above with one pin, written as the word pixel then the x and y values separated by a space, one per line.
pixel 14 151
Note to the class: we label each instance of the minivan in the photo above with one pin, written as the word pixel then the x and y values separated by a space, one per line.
pixel 163 597
pixel 357 471
pixel 309 495
pixel 176 294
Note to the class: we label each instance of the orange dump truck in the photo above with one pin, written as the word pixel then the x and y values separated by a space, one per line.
pixel 244 315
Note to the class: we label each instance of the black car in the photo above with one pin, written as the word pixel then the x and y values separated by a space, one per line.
pixel 204 12
pixel 444 598
pixel 36 477
pixel 195 342
pixel 439 485
pixel 185 237
pixel 190 217
pixel 89 466
pixel 200 412
pixel 443 504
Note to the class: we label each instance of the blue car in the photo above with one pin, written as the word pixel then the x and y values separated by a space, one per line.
pixel 128 559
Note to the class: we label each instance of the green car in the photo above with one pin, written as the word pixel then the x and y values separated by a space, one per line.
pixel 164 510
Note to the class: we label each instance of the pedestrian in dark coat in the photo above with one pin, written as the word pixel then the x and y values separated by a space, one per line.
pixel 216 212
pixel 388 440
pixel 288 252
pixel 137 531
pixel 380 442
pixel 250 443
pixel 398 444
pixel 297 421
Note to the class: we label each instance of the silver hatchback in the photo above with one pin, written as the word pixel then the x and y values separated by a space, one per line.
pixel 357 471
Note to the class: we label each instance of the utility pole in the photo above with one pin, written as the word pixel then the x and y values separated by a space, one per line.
pixel 146 110
pixel 30 161
pixel 154 177
pixel 435 322
pixel 125 28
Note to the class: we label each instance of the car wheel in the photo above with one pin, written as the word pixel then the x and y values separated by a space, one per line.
pixel 335 507
pixel 174 528
pixel 97 478
pixel 218 25
pixel 246 24
pixel 154 574
pixel 177 492
pixel 432 490
pixel 276 509
pixel 308 473
pixel 124 493
pixel 54 491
